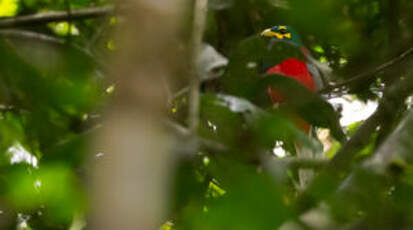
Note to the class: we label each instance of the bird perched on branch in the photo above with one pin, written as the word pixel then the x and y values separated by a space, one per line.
pixel 297 63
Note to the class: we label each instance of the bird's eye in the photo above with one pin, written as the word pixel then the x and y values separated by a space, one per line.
pixel 282 31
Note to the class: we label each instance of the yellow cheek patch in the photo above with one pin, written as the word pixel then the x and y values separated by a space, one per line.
pixel 282 27
pixel 282 36
pixel 278 35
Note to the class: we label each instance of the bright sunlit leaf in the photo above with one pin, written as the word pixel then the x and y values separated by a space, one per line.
pixel 214 190
pixel 8 8
pixel 62 28
pixel 52 186
pixel 318 49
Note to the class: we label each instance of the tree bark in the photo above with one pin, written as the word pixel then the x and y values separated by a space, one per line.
pixel 130 181
pixel 200 13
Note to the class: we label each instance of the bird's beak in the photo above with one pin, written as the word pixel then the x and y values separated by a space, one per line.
pixel 266 33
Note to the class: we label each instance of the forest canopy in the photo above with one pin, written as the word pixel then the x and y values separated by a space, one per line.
pixel 178 114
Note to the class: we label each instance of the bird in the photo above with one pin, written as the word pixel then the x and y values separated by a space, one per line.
pixel 306 71
pixel 298 64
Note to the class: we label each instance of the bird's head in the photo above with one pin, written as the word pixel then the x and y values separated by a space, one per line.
pixel 283 33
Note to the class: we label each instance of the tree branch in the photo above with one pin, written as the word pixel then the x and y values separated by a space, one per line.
pixel 200 11
pixel 369 74
pixel 130 184
pixel 30 35
pixel 344 157
pixel 15 33
pixel 393 97
pixel 396 149
pixel 55 16
pixel 12 33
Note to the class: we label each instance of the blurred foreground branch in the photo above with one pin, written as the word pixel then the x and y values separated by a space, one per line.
pixel 131 180
pixel 200 11
pixel 54 16
pixel 14 33
pixel 26 34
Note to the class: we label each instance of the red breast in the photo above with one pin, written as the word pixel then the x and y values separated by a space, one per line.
pixel 297 70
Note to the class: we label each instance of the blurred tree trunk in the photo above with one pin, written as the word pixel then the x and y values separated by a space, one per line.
pixel 130 180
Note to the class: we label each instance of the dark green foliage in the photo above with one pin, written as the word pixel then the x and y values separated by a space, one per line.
pixel 52 92
pixel 251 201
pixel 307 104
pixel 248 124
pixel 49 92
pixel 248 63
pixel 351 37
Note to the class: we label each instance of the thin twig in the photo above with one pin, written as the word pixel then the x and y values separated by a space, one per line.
pixel 55 16
pixel 200 12
pixel 15 33
pixel 369 74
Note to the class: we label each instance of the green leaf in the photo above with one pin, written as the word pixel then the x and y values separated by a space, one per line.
pixel 252 201
pixel 53 186
pixel 237 118
pixel 310 106
pixel 62 29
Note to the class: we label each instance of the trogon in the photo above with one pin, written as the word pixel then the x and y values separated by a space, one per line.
pixel 296 62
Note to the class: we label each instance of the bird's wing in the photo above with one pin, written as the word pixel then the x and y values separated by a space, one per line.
pixel 318 80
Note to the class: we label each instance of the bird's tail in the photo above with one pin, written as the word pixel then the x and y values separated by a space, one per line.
pixel 305 176
pixel 303 152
